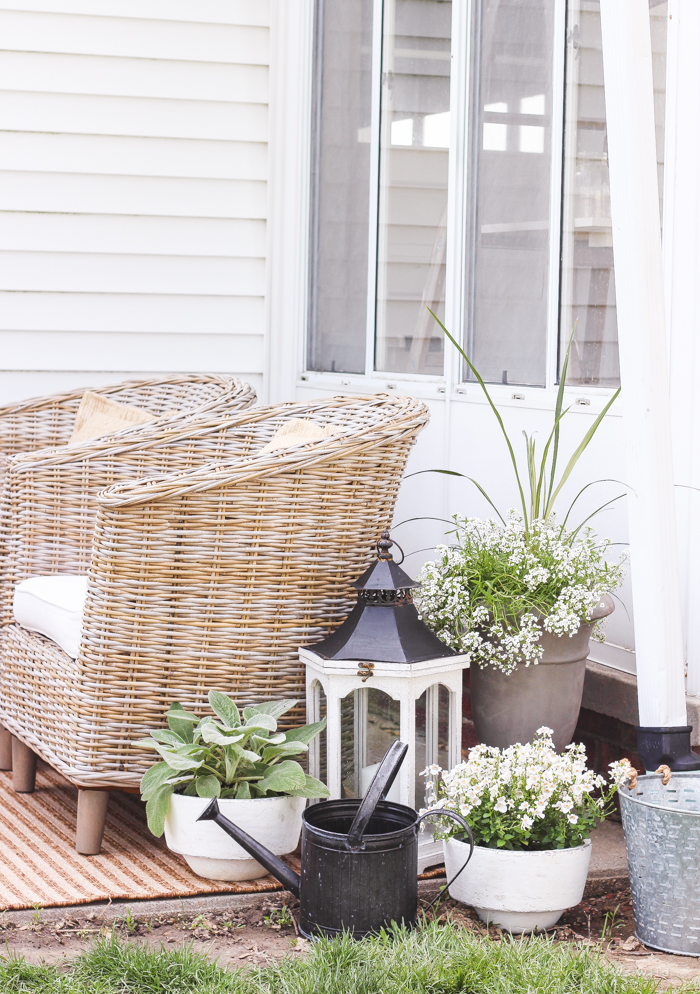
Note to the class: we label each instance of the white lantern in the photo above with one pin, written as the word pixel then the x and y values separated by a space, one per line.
pixel 384 675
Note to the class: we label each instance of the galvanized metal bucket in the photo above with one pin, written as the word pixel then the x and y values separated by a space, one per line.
pixel 662 836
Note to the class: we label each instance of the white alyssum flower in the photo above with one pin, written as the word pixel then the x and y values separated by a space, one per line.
pixel 527 796
pixel 495 591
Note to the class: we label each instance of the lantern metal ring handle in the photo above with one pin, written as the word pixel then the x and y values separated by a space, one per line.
pixel 385 543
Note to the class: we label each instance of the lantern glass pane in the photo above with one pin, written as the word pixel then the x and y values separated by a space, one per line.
pixel 317 756
pixel 370 721
pixel 432 735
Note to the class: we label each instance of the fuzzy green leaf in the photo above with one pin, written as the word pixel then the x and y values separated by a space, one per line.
pixel 265 721
pixel 149 743
pixel 250 757
pixel 181 722
pixel 212 733
pixel 274 708
pixel 243 792
pixel 166 737
pixel 285 778
pixel 157 808
pixel 208 786
pixel 306 733
pixel 284 749
pixel 176 761
pixel 224 709
pixel 154 778
pixel 312 788
pixel 176 710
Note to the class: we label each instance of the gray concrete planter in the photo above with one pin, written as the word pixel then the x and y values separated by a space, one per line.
pixel 510 708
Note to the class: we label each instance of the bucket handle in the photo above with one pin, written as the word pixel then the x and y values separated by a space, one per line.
pixel 443 812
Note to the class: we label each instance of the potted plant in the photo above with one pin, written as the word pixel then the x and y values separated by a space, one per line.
pixel 245 762
pixel 524 601
pixel 524 594
pixel 531 810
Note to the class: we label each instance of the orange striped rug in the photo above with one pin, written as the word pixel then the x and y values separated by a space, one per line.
pixel 39 864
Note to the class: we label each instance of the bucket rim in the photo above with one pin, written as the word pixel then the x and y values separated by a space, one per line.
pixel 626 795
pixel 381 806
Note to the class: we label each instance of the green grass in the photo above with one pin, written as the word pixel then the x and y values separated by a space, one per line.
pixel 438 959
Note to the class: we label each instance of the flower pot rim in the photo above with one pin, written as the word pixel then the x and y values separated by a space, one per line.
pixel 524 852
pixel 228 800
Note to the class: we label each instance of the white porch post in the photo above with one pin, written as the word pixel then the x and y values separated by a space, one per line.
pixel 682 278
pixel 629 101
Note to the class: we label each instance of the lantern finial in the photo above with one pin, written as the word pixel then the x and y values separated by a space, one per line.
pixel 383 546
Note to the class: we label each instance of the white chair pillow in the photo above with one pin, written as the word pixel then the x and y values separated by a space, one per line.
pixel 53 606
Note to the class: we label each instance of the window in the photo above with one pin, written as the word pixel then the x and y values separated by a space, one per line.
pixel 509 180
pixel 504 100
pixel 587 274
pixel 340 187
pixel 413 160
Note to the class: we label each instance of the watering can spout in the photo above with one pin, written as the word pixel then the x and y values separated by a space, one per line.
pixel 273 864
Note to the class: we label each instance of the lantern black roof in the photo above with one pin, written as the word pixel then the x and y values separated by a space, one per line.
pixel 384 625
pixel 384 573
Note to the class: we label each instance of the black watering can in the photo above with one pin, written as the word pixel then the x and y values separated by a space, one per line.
pixel 359 858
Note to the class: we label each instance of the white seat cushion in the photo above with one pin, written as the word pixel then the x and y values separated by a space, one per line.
pixel 53 606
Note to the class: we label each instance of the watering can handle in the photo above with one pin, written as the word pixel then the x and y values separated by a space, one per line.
pixel 377 791
pixel 443 812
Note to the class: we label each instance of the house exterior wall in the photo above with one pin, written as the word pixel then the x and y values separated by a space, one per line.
pixel 154 202
pixel 133 190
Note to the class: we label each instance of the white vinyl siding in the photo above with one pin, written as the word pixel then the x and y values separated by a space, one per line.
pixel 133 190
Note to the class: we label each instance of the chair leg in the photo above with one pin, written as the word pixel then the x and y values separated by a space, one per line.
pixel 23 767
pixel 92 813
pixel 5 749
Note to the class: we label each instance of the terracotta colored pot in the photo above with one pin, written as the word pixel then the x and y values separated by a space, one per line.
pixel 509 708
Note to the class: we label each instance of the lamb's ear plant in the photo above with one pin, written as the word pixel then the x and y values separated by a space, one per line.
pixel 227 756
pixel 542 482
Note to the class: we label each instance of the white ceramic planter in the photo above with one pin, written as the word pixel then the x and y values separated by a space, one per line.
pixel 275 822
pixel 518 891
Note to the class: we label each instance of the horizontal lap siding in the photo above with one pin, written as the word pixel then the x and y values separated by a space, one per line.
pixel 133 200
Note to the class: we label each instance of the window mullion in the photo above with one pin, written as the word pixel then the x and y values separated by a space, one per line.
pixel 457 186
pixel 377 19
pixel 556 192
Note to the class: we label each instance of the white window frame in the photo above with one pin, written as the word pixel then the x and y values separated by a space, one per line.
pixel 451 384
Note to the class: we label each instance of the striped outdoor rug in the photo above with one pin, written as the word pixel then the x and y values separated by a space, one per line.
pixel 39 864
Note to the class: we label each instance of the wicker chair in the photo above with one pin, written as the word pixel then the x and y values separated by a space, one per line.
pixel 37 431
pixel 207 577
pixel 43 422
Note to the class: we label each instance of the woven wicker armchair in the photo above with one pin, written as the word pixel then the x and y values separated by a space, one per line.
pixel 43 422
pixel 205 578
pixel 35 434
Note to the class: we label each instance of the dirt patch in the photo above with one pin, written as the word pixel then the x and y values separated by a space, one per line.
pixel 265 929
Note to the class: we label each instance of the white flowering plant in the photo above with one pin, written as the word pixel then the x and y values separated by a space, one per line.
pixel 526 797
pixel 502 584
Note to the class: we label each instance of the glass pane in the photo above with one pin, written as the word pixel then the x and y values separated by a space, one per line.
pixel 510 142
pixel 316 760
pixel 432 734
pixel 588 279
pixel 370 721
pixel 415 138
pixel 340 186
